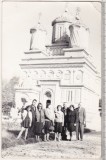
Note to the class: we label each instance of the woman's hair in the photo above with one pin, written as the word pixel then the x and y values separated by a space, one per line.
pixel 39 105
pixel 59 106
pixel 48 103
pixel 72 106
pixel 34 100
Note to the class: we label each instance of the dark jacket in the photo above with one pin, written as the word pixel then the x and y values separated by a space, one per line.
pixel 71 116
pixel 65 116
pixel 33 110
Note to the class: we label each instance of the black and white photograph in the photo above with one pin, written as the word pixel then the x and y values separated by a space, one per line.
pixel 51 80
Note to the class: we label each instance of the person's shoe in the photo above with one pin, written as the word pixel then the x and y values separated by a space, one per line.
pixel 45 140
pixel 77 139
pixel 81 139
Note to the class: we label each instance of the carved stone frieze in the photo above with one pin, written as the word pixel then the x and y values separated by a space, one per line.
pixel 59 74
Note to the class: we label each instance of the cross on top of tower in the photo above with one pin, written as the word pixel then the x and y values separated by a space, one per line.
pixel 66 7
pixel 78 10
pixel 39 17
pixel 77 13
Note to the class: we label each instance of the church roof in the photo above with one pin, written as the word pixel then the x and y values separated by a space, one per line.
pixel 65 17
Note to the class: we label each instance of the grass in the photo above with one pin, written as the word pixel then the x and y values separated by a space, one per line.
pixel 9 134
pixel 10 142
pixel 10 130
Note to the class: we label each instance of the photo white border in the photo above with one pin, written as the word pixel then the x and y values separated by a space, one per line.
pixel 103 67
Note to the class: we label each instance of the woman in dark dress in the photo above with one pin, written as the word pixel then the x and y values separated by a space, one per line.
pixel 71 120
pixel 40 120
pixel 26 122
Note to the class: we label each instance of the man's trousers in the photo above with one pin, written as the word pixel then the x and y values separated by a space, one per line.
pixel 79 130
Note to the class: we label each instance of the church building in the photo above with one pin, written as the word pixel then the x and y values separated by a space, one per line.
pixel 63 71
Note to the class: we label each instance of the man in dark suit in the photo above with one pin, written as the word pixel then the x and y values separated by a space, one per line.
pixel 80 121
pixel 64 110
pixel 33 110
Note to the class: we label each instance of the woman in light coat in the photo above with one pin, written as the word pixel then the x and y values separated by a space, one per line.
pixel 49 121
pixel 59 122
pixel 26 122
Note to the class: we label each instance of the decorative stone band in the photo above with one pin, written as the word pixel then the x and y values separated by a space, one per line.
pixel 50 65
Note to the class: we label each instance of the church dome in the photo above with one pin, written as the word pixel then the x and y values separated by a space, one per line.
pixel 65 17
pixel 60 26
pixel 39 26
pixel 38 37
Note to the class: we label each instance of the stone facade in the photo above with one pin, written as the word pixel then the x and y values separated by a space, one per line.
pixel 63 72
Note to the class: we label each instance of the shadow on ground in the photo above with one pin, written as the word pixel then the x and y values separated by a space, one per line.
pixel 14 132
pixel 9 137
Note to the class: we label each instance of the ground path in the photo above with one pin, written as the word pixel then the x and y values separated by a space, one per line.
pixel 87 149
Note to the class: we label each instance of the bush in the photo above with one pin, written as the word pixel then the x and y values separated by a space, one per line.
pixel 8 91
pixel 8 95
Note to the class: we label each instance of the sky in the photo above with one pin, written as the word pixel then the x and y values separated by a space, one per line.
pixel 19 17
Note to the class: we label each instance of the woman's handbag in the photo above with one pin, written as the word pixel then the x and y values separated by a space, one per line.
pixel 43 130
pixel 51 128
pixel 67 134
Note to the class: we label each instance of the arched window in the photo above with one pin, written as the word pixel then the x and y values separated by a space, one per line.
pixel 79 76
pixel 51 74
pixel 67 75
pixel 43 74
pixel 60 31
pixel 35 75
pixel 48 94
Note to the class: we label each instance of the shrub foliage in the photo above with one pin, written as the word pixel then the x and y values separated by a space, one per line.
pixel 8 94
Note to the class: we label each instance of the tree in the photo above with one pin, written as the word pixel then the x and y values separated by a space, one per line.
pixel 8 93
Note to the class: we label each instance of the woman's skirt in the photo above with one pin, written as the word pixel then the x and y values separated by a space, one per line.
pixel 38 128
pixel 71 127
pixel 58 127
pixel 47 126
pixel 26 122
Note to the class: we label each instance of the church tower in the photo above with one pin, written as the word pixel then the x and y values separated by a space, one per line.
pixel 60 33
pixel 38 37
pixel 60 26
pixel 79 33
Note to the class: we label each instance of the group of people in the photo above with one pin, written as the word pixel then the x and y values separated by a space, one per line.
pixel 37 121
